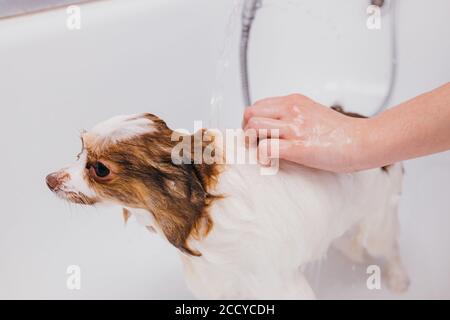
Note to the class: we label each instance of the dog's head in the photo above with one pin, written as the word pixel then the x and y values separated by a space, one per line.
pixel 127 160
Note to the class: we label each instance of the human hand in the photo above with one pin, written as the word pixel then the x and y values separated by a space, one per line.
pixel 309 133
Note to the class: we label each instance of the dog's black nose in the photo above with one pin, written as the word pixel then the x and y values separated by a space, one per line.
pixel 52 181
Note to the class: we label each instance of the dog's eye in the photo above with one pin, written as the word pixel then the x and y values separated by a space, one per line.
pixel 100 169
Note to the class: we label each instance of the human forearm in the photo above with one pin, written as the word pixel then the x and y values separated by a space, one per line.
pixel 418 127
pixel 319 137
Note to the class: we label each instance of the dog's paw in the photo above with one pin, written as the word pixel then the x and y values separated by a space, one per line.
pixel 397 279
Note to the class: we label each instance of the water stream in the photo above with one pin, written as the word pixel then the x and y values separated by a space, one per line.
pixel 226 54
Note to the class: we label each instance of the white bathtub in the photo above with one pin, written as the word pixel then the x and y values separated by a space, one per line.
pixel 161 57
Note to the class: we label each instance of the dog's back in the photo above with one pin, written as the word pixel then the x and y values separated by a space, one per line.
pixel 267 226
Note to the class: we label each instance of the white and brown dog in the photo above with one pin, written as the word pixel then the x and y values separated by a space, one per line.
pixel 240 234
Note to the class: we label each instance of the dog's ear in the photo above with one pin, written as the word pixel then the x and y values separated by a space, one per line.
pixel 179 205
pixel 177 194
pixel 177 234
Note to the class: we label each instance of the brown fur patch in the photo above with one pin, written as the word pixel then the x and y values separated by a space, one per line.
pixel 80 198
